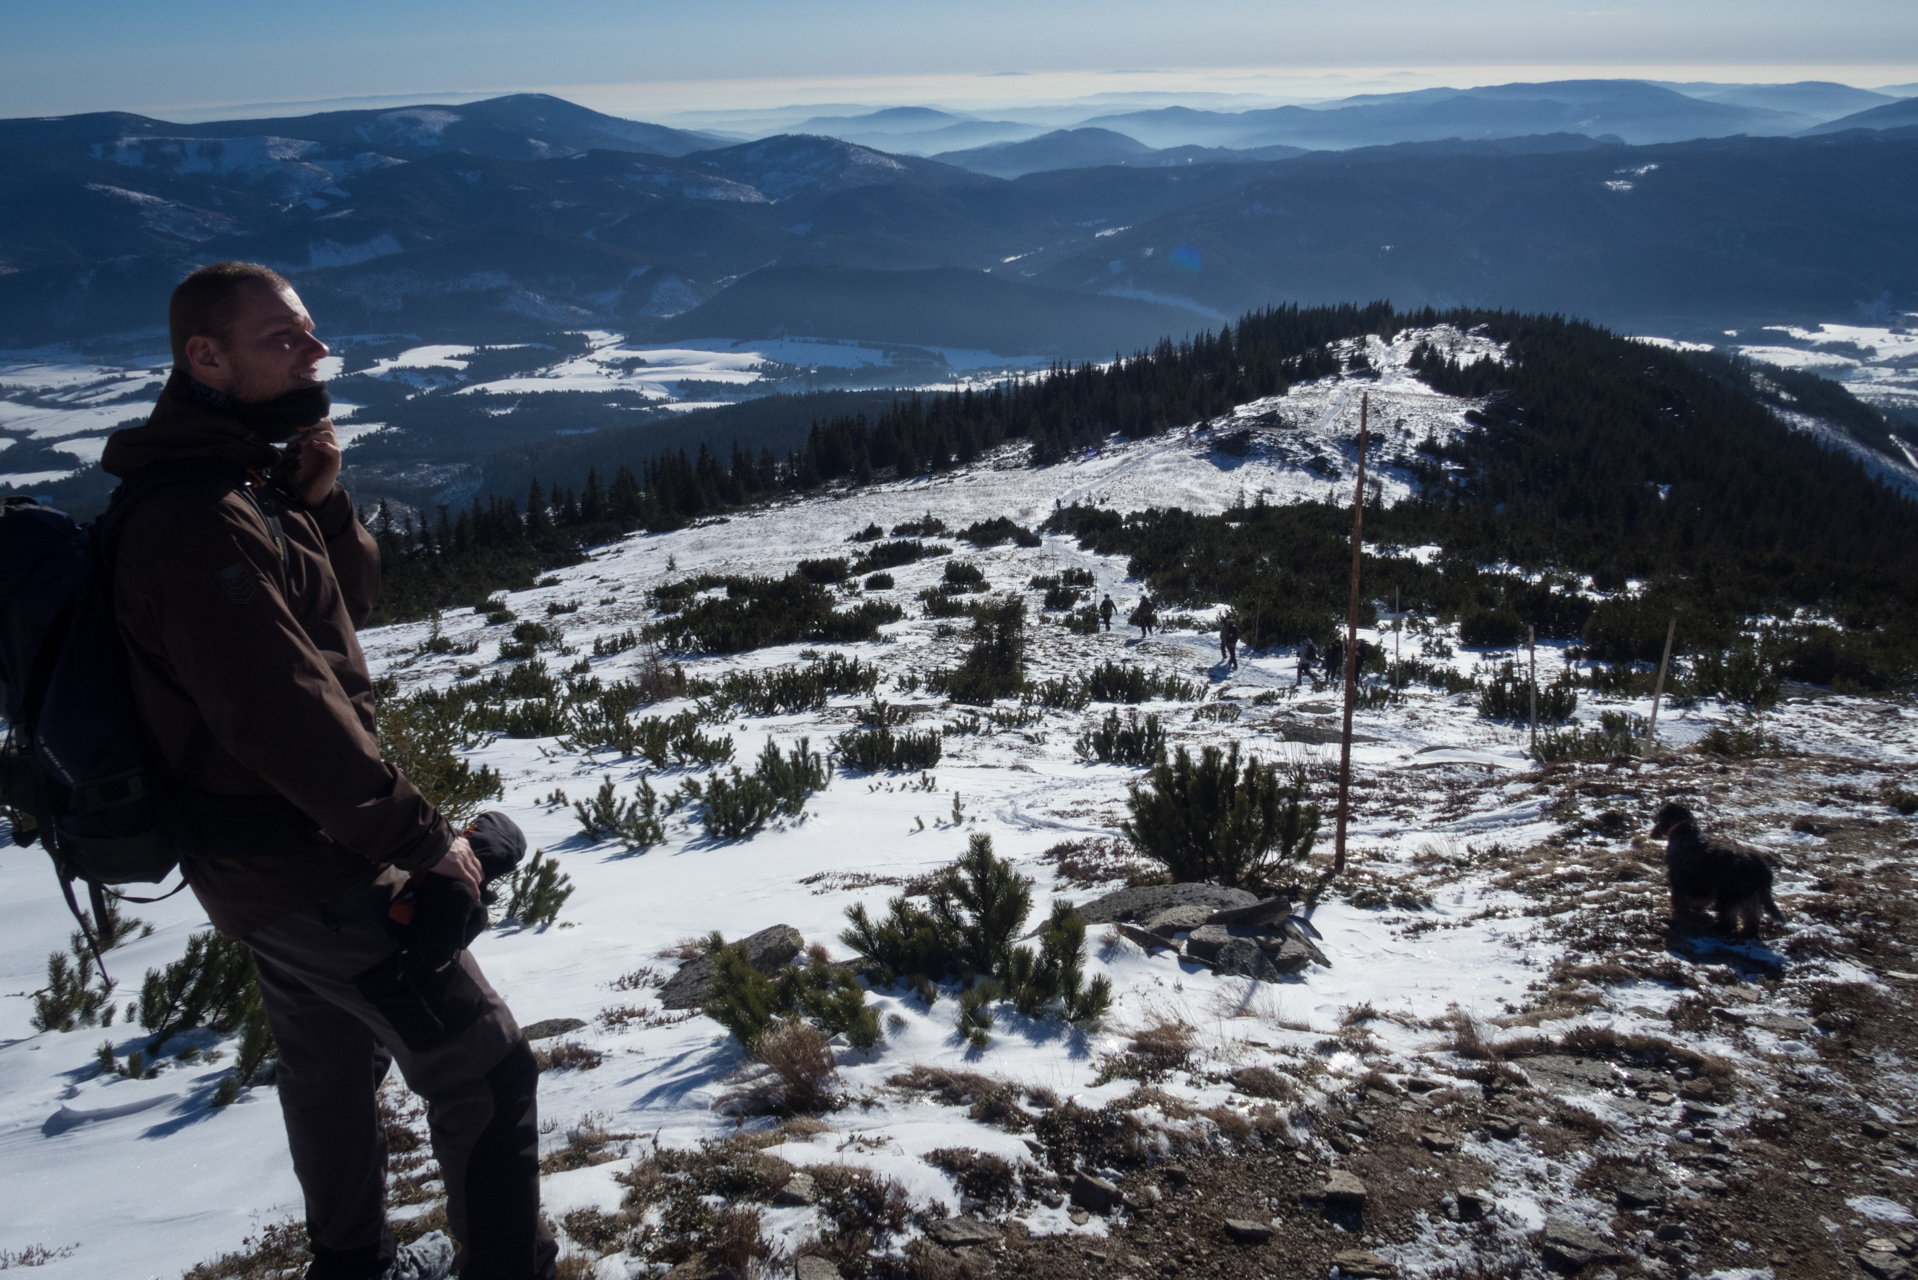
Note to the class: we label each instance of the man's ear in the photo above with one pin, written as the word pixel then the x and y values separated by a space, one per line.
pixel 205 361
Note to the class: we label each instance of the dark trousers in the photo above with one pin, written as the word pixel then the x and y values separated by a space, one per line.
pixel 344 1013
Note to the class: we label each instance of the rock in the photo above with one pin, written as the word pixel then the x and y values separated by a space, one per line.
pixel 1640 1192
pixel 1244 959
pixel 798 1193
pixel 701 1267
pixel 1437 1140
pixel 1697 1091
pixel 1361 1265
pixel 1290 955
pixel 1095 1194
pixel 1504 1128
pixel 1473 1205
pixel 963 1233
pixel 1246 1231
pixel 1343 1189
pixel 1134 905
pixel 1266 913
pixel 692 986
pixel 1175 1174
pixel 1883 1265
pixel 1422 1084
pixel 1206 941
pixel 1186 916
pixel 1570 1246
pixel 1052 1199
pixel 547 1028
pixel 1659 1098
pixel 1873 1130
pixel 814 1267
pixel 1079 1217
pixel 1146 938
pixel 1784 1025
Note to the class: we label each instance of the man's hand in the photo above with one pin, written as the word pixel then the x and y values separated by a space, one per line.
pixel 319 467
pixel 459 863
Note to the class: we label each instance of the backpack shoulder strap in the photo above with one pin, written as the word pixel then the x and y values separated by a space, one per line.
pixel 151 479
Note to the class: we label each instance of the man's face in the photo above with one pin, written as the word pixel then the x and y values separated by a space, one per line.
pixel 269 348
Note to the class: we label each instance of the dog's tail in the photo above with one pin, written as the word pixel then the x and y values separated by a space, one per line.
pixel 1771 907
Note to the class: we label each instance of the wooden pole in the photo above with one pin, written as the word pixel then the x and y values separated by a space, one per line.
pixel 1351 646
pixel 1658 693
pixel 1531 648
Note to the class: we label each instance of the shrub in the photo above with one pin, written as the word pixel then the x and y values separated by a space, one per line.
pixel 1508 696
pixel 1903 799
pixel 802 1063
pixel 634 823
pixel 70 1000
pixel 789 690
pixel 961 575
pixel 1747 738
pixel 554 607
pixel 825 572
pixel 879 582
pixel 926 526
pixel 607 646
pixel 990 533
pixel 1062 597
pixel 757 612
pixel 1063 692
pixel 1121 682
pixel 1491 628
pixel 994 665
pixel 740 806
pixel 871 533
pixel 537 891
pixel 1084 621
pixel 1739 673
pixel 1618 733
pixel 794 776
pixel 209 986
pixel 422 736
pixel 892 555
pixel 969 929
pixel 1064 578
pixel 875 747
pixel 1134 742
pixel 748 1003
pixel 1210 819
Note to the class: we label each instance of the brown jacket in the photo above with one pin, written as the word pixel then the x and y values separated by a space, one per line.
pixel 248 674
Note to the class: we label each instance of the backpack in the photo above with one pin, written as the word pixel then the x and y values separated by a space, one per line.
pixel 77 771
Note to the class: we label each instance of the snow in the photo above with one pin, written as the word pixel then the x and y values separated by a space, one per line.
pixel 145 1178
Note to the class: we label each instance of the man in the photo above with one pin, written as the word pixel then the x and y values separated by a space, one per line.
pixel 1144 616
pixel 1107 609
pixel 1308 658
pixel 238 586
pixel 1229 642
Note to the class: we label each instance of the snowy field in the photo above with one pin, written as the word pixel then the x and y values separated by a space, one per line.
pixel 1438 917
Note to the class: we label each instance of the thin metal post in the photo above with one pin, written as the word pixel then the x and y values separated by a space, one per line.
pixel 1351 645
pixel 1531 648
pixel 1658 694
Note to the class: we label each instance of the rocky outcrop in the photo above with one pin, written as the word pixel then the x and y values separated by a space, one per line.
pixel 692 986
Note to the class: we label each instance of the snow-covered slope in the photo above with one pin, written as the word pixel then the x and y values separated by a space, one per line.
pixel 1437 919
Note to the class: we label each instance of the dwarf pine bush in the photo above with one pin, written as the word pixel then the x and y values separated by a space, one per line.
pixel 635 823
pixel 875 747
pixel 1122 682
pixel 1508 696
pixel 537 891
pixel 995 663
pixel 969 929
pixel 210 986
pixel 748 1003
pixel 789 690
pixel 1134 742
pixel 423 737
pixel 1618 733
pixel 1213 819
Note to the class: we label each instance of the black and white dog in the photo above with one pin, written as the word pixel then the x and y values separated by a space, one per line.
pixel 1736 882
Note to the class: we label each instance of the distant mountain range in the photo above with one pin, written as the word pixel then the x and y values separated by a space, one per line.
pixel 493 220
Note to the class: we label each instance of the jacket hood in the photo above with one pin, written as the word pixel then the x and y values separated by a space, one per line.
pixel 182 426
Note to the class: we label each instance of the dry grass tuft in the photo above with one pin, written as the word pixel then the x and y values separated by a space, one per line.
pixel 278 1252
pixel 1263 1082
pixel 568 1055
pixel 803 1064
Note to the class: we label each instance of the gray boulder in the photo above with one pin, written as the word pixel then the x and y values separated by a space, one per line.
pixel 1095 1194
pixel 1134 905
pixel 962 1233
pixel 1243 958
pixel 1207 941
pixel 1571 1246
pixel 692 986
pixel 1288 955
pixel 813 1267
pixel 1178 919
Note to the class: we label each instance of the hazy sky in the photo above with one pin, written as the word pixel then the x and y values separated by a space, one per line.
pixel 185 57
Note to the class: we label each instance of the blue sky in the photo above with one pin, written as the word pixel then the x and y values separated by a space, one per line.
pixel 187 56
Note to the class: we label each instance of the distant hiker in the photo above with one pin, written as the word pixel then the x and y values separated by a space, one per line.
pixel 1107 609
pixel 1143 616
pixel 1229 642
pixel 1308 658
pixel 1335 662
pixel 237 589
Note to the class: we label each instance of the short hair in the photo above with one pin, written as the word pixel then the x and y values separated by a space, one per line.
pixel 203 304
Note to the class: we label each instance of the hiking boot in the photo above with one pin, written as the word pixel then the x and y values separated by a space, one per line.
pixel 428 1258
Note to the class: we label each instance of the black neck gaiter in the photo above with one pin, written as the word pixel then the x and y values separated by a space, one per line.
pixel 275 421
